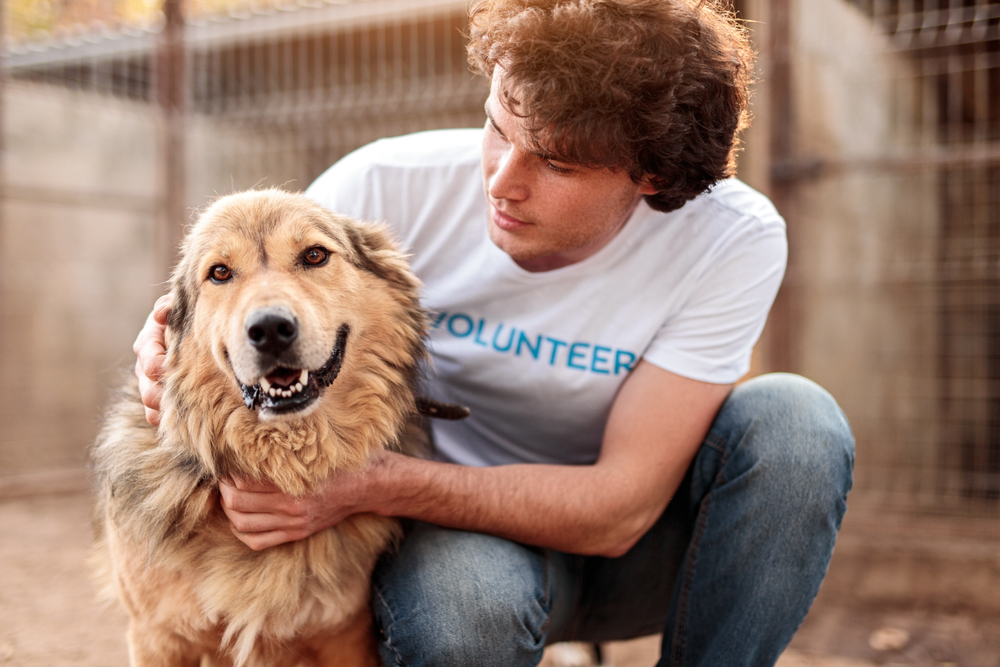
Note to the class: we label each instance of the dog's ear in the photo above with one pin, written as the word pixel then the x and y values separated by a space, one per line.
pixel 377 254
pixel 180 310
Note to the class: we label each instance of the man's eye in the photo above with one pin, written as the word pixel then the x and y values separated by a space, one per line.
pixel 557 169
pixel 315 256
pixel 220 273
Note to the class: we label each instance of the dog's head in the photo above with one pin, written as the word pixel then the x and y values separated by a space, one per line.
pixel 289 314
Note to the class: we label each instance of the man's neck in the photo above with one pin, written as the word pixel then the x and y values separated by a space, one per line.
pixel 568 258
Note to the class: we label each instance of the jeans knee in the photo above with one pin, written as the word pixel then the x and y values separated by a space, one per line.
pixel 794 437
pixel 456 598
pixel 490 634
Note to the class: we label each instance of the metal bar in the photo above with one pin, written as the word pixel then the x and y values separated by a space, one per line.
pixel 100 200
pixel 798 169
pixel 4 316
pixel 170 97
pixel 301 21
pixel 925 20
pixel 903 42
pixel 220 31
pixel 781 352
pixel 123 45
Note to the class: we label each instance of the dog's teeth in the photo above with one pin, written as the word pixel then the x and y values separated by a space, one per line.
pixel 303 377
pixel 265 385
pixel 298 387
pixel 272 391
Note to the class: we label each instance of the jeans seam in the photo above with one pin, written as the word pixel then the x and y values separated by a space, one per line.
pixel 680 625
pixel 715 442
pixel 546 578
pixel 392 619
pixel 546 594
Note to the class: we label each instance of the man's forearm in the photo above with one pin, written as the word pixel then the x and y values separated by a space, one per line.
pixel 579 509
pixel 656 425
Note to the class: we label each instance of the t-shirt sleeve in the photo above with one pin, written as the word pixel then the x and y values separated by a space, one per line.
pixel 711 337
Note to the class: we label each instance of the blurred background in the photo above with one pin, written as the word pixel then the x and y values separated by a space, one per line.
pixel 876 132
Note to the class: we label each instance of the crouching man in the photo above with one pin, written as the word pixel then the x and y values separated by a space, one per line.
pixel 596 281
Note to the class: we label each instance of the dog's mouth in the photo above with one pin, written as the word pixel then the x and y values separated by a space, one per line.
pixel 286 390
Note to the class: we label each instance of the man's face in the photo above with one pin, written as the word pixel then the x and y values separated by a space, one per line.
pixel 545 213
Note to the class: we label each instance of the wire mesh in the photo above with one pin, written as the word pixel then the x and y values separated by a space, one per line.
pixel 929 434
pixel 898 314
pixel 271 94
pixel 293 86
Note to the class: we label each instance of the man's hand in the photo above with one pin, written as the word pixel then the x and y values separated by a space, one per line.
pixel 261 516
pixel 150 348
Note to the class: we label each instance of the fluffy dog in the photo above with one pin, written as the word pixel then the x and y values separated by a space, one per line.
pixel 292 351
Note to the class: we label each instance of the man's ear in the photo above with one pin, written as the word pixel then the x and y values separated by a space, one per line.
pixel 646 186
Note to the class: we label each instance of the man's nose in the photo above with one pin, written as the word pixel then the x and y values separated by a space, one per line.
pixel 509 181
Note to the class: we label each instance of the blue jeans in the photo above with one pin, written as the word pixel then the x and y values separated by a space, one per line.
pixel 727 574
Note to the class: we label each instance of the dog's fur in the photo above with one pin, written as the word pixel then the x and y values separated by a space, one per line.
pixel 167 550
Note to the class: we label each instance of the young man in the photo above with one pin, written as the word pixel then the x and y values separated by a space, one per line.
pixel 596 286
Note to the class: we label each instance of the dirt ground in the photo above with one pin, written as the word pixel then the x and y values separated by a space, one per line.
pixel 48 616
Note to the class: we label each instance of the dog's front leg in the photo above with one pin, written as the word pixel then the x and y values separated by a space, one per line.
pixel 154 647
pixel 217 660
pixel 354 645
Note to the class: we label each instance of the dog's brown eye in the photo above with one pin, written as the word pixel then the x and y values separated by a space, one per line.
pixel 220 273
pixel 315 256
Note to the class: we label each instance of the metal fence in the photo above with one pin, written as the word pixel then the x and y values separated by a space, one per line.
pixel 907 336
pixel 148 116
pixel 311 80
pixel 914 140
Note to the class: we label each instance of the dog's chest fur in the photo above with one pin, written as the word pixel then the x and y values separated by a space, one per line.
pixel 173 551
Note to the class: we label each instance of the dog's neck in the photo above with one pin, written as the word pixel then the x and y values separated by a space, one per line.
pixel 295 454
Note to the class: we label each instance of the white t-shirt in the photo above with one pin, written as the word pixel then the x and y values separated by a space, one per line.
pixel 539 357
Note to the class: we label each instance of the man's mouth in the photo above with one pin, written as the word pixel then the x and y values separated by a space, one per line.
pixel 505 221
pixel 286 390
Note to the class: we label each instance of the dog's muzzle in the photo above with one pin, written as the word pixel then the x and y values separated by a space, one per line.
pixel 286 390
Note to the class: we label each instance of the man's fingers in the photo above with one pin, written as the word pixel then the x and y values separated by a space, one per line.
pixel 151 353
pixel 149 391
pixel 261 541
pixel 261 522
pixel 255 497
pixel 261 530
pixel 252 485
pixel 153 417
pixel 161 309
pixel 239 501
pixel 150 344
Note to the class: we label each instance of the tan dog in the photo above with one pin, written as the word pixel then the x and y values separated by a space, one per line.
pixel 292 351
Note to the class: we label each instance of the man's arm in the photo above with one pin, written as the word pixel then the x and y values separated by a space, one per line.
pixel 656 425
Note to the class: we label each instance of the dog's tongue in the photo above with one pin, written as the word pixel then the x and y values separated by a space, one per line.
pixel 286 377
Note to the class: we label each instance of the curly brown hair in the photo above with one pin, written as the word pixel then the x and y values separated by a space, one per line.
pixel 658 88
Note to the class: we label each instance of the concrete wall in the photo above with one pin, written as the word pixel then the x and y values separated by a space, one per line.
pixel 80 190
pixel 78 267
pixel 863 238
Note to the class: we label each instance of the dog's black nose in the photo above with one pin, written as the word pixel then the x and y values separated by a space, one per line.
pixel 272 330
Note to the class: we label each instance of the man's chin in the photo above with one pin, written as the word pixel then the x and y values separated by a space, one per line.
pixel 529 258
pixel 514 244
